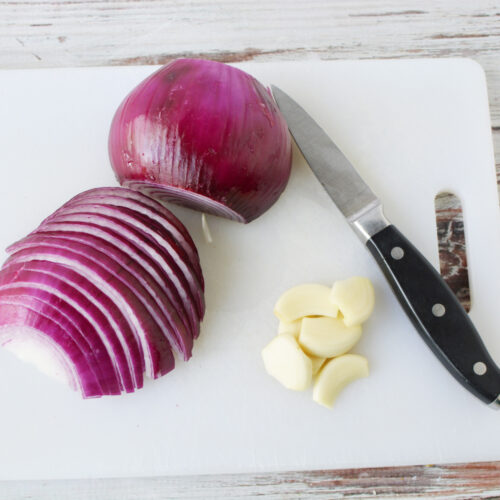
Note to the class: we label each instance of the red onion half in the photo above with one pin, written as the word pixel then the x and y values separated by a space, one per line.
pixel 203 134
pixel 103 292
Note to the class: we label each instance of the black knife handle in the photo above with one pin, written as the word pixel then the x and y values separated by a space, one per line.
pixel 436 314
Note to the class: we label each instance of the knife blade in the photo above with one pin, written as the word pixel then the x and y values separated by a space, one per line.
pixel 427 300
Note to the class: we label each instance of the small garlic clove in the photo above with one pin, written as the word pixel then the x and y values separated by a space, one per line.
pixel 285 361
pixel 337 374
pixel 355 299
pixel 305 300
pixel 327 337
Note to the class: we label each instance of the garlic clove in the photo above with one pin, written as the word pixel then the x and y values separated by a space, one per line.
pixel 335 375
pixel 305 300
pixel 355 299
pixel 327 337
pixel 285 361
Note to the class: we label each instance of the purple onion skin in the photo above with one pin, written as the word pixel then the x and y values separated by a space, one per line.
pixel 205 135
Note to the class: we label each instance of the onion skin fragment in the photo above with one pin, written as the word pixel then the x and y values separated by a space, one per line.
pixel 205 135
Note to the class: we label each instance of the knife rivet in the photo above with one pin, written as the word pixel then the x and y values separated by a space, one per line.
pixel 438 310
pixel 397 253
pixel 479 368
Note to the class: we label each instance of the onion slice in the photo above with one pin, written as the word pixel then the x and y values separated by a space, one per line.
pixel 158 355
pixel 19 323
pixel 147 250
pixel 98 361
pixel 145 205
pixel 77 295
pixel 155 300
pixel 179 306
pixel 153 233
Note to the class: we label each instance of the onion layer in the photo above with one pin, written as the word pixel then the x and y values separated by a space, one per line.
pixel 205 135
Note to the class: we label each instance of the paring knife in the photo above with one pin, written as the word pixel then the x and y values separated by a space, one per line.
pixel 428 301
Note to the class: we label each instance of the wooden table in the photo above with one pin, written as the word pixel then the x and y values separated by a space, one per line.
pixel 61 33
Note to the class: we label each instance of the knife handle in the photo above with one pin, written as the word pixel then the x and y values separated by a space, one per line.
pixel 436 314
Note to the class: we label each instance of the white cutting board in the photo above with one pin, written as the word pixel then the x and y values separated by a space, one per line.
pixel 413 128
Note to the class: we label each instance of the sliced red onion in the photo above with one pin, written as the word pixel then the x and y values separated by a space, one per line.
pixel 148 217
pixel 205 135
pixel 86 305
pixel 158 355
pixel 19 323
pixel 126 241
pixel 149 207
pixel 184 282
pixel 154 233
pixel 111 257
pixel 142 224
pixel 101 290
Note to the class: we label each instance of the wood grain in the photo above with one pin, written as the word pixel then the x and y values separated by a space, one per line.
pixel 62 33
pixel 454 481
pixel 451 245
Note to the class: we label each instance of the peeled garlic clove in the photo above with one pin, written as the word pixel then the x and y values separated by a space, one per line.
pixel 337 374
pixel 285 361
pixel 327 337
pixel 293 328
pixel 355 298
pixel 316 363
pixel 305 300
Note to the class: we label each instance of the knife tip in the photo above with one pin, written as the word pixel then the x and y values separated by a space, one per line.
pixel 276 92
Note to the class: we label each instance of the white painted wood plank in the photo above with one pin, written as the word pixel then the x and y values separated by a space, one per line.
pixel 496 146
pixel 47 33
pixel 448 481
